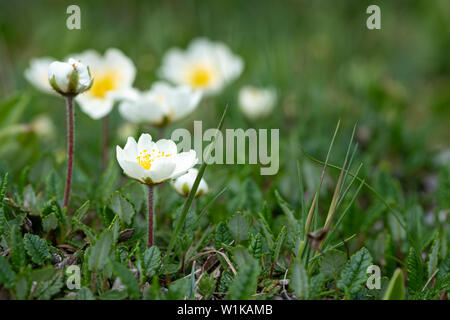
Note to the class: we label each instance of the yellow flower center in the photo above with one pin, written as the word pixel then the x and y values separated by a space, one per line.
pixel 104 83
pixel 200 77
pixel 145 158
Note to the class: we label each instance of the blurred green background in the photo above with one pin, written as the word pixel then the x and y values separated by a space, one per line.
pixel 324 62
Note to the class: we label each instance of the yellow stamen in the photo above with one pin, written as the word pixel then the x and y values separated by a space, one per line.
pixel 103 83
pixel 200 77
pixel 145 159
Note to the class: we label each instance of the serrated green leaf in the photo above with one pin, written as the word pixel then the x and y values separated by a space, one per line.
pixel 433 257
pixel 255 245
pixel 244 284
pixel 239 226
pixel 222 236
pixel 332 264
pixel 100 251
pixel 85 294
pixel 178 289
pixel 36 248
pixel 18 255
pixel 299 280
pixel 396 287
pixel 288 211
pixel 151 260
pixel 7 275
pixel 127 279
pixel 122 207
pixel 278 244
pixel 206 286
pixel 354 275
pixel 415 272
pixel 47 289
pixel 82 211
pixel 50 222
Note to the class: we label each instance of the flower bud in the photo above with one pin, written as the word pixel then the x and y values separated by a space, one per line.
pixel 184 183
pixel 69 78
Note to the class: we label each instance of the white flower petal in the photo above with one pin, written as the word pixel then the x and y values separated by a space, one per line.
pixel 184 161
pixel 161 170
pixel 37 74
pixel 94 107
pixel 145 142
pixel 167 146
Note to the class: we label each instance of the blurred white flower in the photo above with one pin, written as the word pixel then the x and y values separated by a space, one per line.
pixel 205 65
pixel 153 162
pixel 113 75
pixel 37 74
pixel 69 78
pixel 257 102
pixel 183 184
pixel 160 105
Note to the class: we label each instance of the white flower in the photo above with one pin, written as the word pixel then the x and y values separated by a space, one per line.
pixel 153 162
pixel 183 184
pixel 161 105
pixel 205 65
pixel 37 74
pixel 113 75
pixel 257 102
pixel 69 78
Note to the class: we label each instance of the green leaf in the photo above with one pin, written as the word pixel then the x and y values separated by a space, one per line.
pixel 206 286
pixel 127 279
pixel 122 207
pixel 239 226
pixel 113 295
pixel 244 284
pixel 299 280
pixel 389 255
pixel 47 289
pixel 332 264
pixel 433 257
pixel 278 244
pixel 255 245
pixel 22 287
pixel 36 248
pixel 222 236
pixel 396 288
pixel 85 294
pixel 178 289
pixel 108 181
pixel 151 260
pixel 7 275
pixel 100 251
pixel 18 255
pixel 50 222
pixel 354 275
pixel 415 272
pixel 82 211
pixel 288 211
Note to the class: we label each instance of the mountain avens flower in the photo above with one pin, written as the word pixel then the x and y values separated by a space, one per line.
pixel 183 184
pixel 69 78
pixel 152 163
pixel 257 102
pixel 37 74
pixel 161 105
pixel 205 65
pixel 114 74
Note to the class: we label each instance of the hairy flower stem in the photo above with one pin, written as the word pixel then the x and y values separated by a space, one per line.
pixel 70 147
pixel 150 216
